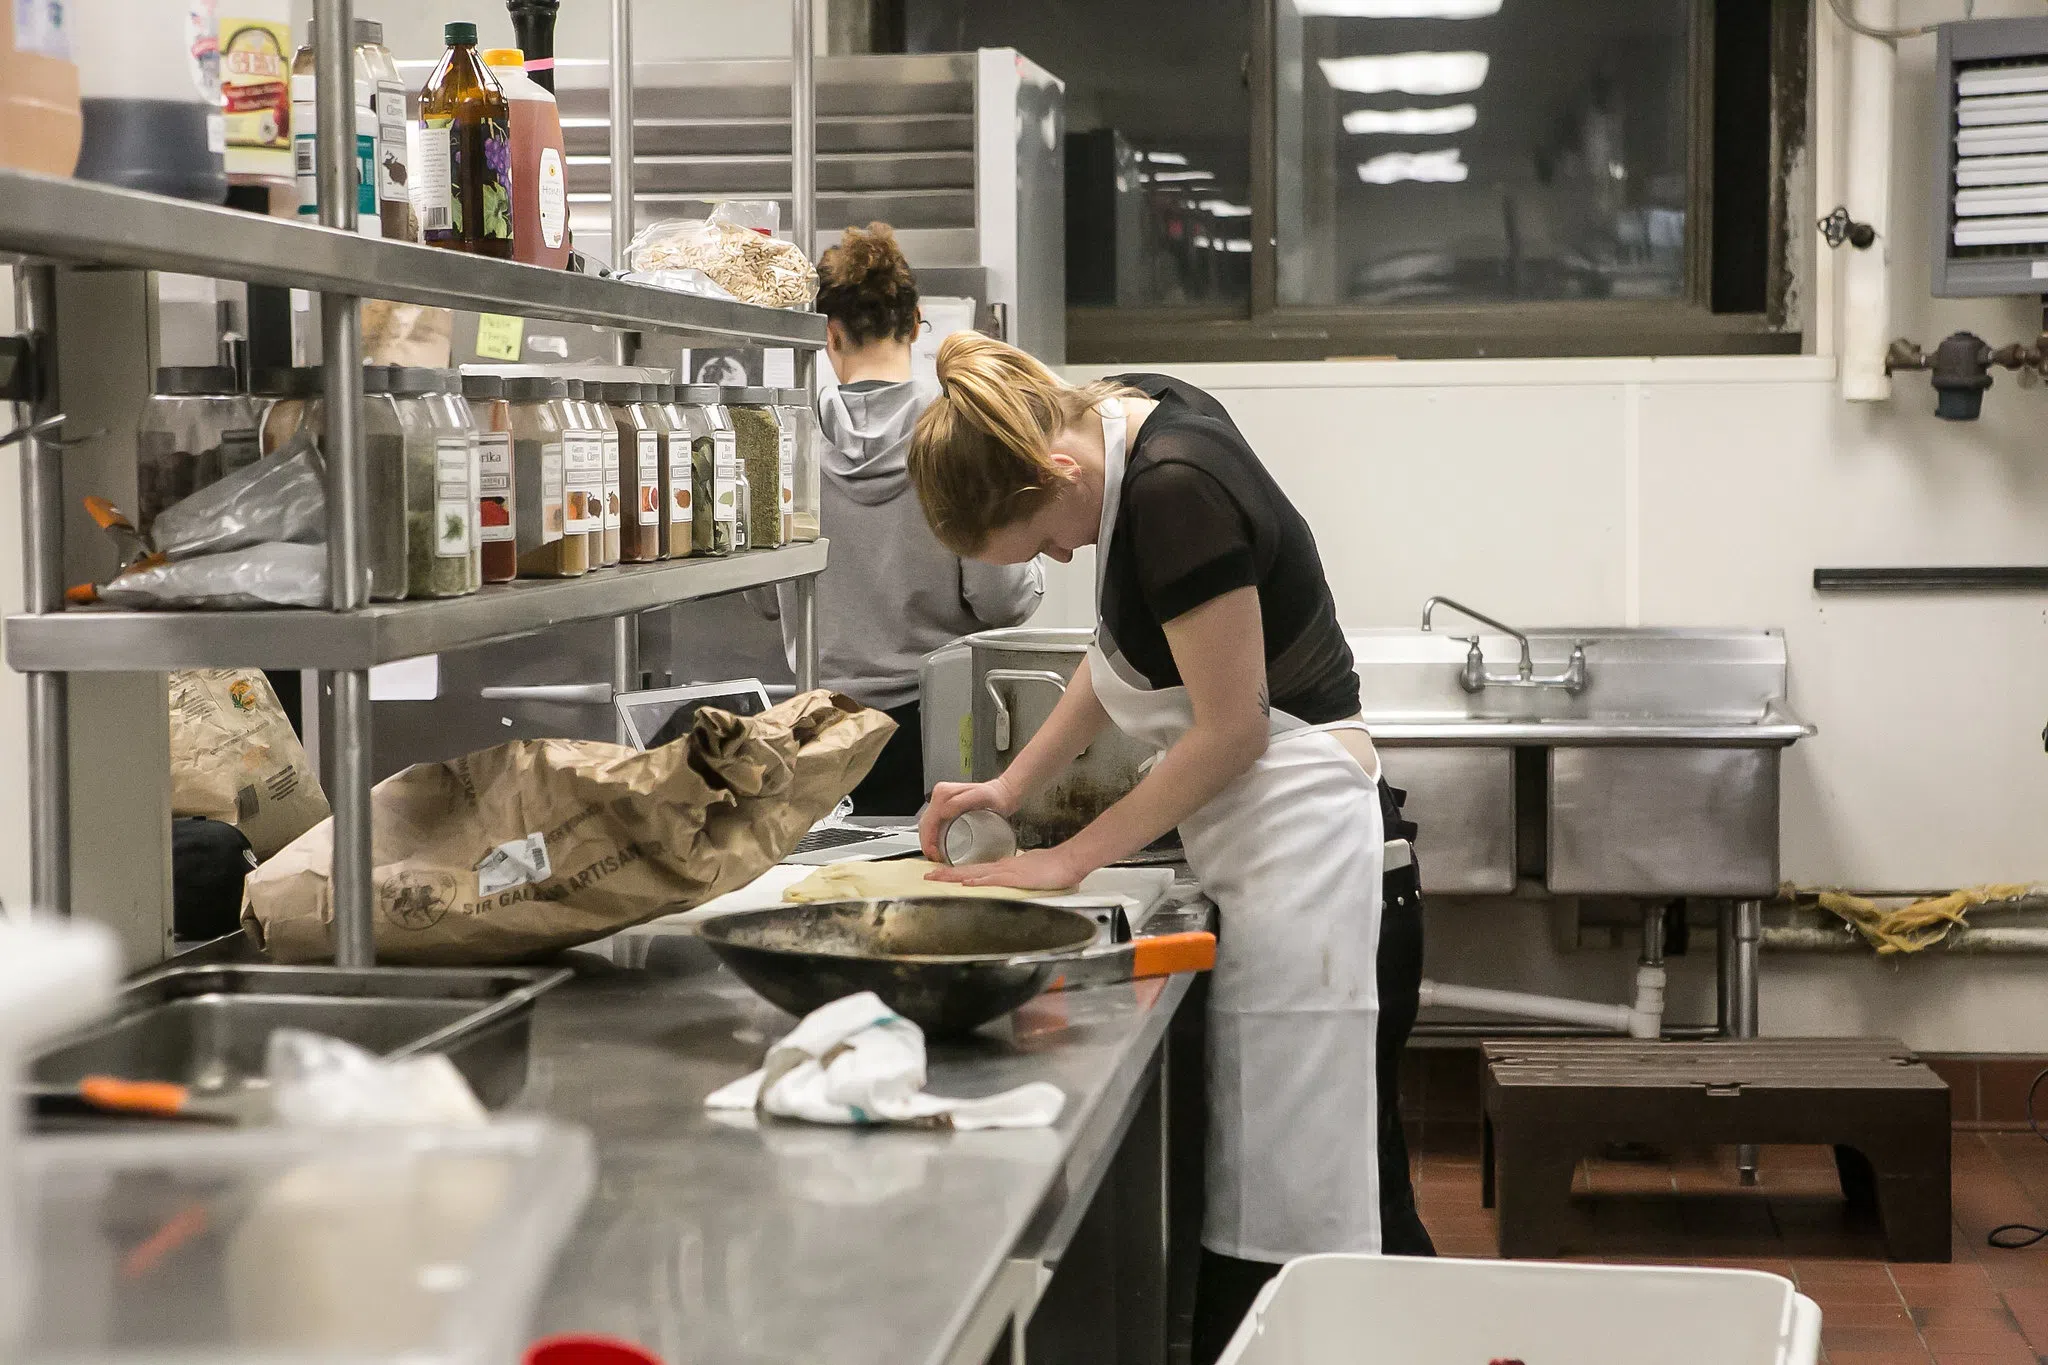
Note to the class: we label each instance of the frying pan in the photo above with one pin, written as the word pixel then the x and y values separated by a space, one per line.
pixel 949 964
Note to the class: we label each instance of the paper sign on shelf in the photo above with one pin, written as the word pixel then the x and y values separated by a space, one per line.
pixel 407 679
pixel 498 337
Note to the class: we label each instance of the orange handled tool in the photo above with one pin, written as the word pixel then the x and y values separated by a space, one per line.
pixel 1160 955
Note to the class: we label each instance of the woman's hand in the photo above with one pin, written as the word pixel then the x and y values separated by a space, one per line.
pixel 956 798
pixel 1042 869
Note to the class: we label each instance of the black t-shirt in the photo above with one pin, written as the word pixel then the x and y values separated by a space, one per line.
pixel 1201 517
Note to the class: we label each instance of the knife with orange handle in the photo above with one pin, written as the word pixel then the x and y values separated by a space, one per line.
pixel 117 1097
pixel 136 551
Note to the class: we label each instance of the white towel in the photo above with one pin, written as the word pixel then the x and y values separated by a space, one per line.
pixel 856 1061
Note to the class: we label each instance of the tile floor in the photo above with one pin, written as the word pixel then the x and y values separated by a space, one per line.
pixel 1990 1307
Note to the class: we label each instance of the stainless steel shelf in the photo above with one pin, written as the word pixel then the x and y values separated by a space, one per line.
pixel 84 223
pixel 93 640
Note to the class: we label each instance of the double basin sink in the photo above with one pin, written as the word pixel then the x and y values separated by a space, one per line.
pixel 1656 776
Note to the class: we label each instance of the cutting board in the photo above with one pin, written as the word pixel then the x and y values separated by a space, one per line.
pixel 1142 889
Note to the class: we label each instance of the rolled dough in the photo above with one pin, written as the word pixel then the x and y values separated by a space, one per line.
pixel 895 879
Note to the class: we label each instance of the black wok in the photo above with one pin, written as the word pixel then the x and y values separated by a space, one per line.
pixel 947 963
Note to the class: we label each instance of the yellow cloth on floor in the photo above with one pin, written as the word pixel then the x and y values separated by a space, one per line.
pixel 1922 924
pixel 894 880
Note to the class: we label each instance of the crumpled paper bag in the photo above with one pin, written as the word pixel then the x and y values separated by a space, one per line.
pixel 235 759
pixel 518 851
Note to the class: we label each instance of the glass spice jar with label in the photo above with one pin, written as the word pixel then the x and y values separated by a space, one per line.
pixel 714 469
pixel 392 436
pixel 759 437
pixel 638 434
pixel 539 488
pixel 583 469
pixel 496 503
pixel 440 493
pixel 803 489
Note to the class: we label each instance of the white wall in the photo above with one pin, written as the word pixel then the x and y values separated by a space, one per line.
pixel 1705 492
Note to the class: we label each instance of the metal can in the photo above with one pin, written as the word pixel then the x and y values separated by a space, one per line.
pixel 977 836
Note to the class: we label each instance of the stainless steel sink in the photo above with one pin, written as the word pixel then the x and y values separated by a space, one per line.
pixel 208 1026
pixel 1658 777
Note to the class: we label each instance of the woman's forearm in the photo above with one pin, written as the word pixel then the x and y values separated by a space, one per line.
pixel 1190 775
pixel 1073 725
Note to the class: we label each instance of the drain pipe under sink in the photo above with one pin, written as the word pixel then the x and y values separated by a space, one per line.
pixel 1644 1019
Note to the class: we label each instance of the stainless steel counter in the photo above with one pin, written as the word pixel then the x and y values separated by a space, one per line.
pixel 714 1241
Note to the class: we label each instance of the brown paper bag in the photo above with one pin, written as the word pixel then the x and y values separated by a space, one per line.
pixel 235 759
pixel 514 852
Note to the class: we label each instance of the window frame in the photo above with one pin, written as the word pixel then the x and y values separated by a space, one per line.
pixel 1686 325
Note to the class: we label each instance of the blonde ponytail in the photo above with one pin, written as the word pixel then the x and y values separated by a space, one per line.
pixel 981 457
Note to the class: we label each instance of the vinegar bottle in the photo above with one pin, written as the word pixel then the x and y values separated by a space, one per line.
pixel 464 167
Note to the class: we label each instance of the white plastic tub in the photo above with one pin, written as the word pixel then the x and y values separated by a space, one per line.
pixel 1386 1310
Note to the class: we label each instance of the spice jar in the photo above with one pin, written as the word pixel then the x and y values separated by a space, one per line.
pixel 539 481
pixel 583 471
pixel 714 469
pixel 460 479
pixel 439 491
pixel 638 434
pixel 805 489
pixel 759 437
pixel 677 513
pixel 293 399
pixel 498 547
pixel 191 430
pixel 608 433
pixel 390 434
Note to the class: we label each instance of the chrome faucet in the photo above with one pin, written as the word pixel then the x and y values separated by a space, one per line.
pixel 1474 677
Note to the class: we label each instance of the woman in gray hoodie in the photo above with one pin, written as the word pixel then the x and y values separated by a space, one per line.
pixel 891 594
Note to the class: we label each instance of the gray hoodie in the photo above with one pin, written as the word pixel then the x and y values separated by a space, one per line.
pixel 892 594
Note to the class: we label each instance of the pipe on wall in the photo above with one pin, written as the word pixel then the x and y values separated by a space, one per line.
pixel 1867 191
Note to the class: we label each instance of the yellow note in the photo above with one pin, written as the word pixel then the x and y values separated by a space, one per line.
pixel 498 337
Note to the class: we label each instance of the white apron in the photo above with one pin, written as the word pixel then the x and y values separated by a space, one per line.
pixel 1292 853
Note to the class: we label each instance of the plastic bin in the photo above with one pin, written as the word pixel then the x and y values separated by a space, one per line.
pixel 1327 1310
pixel 287 1245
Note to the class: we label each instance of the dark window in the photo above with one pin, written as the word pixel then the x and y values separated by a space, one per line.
pixel 1294 179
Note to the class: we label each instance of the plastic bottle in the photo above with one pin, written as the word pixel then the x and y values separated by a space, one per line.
pixel 539 496
pixel 39 120
pixel 582 473
pixel 149 97
pixel 464 165
pixel 387 101
pixel 540 187
pixel 255 87
pixel 533 21
pixel 497 495
pixel 306 130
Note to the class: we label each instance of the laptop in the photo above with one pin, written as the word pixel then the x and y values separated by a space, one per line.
pixel 665 714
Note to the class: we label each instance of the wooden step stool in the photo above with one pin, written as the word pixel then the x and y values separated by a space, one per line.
pixel 1550 1104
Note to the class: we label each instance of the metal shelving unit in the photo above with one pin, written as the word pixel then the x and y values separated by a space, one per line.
pixel 56 221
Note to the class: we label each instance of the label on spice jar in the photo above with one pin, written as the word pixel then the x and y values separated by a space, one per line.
pixel 650 478
pixel 553 520
pixel 433 181
pixel 583 483
pixel 725 471
pixel 613 512
pixel 786 457
pixel 455 497
pixel 495 511
pixel 681 477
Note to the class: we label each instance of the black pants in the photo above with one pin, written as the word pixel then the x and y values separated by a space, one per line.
pixel 1226 1286
pixel 895 785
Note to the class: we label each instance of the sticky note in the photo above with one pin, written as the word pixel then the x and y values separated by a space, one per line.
pixel 498 337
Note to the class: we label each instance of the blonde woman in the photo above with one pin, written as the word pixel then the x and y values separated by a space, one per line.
pixel 1217 643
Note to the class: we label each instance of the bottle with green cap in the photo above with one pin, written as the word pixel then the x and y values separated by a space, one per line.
pixel 464 166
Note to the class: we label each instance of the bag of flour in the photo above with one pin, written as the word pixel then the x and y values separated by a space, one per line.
pixel 515 852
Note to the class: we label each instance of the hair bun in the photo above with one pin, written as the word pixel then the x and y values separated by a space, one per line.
pixel 866 285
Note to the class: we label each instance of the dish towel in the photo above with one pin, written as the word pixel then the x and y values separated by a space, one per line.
pixel 856 1061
